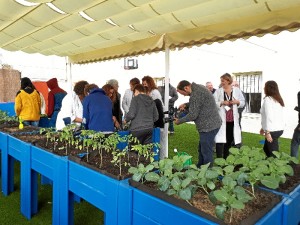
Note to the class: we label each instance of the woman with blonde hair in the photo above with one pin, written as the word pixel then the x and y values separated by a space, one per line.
pixel 228 100
pixel 272 117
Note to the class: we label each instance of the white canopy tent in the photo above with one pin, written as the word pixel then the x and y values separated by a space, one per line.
pixel 96 30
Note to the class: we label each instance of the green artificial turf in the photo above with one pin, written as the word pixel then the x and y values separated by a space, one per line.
pixel 185 139
pixel 84 213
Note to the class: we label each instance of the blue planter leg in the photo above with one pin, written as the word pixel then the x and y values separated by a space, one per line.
pixel 72 198
pixel 7 167
pixel 7 174
pixel 61 194
pixel 124 203
pixel 34 192
pixel 26 183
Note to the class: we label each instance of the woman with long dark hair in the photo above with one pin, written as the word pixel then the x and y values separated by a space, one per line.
pixel 28 103
pixel 272 117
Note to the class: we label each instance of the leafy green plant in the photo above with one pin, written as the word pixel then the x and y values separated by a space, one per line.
pixel 49 132
pixel 118 161
pixel 66 135
pixel 145 150
pixel 229 197
pixel 4 117
pixel 253 166
pixel 141 171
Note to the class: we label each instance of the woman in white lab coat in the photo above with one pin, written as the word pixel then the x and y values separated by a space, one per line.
pixel 228 100
pixel 72 110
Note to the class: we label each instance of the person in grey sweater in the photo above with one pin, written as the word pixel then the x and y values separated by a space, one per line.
pixel 142 114
pixel 204 112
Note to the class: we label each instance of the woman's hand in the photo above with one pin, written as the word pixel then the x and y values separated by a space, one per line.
pixel 182 107
pixel 262 132
pixel 268 137
pixel 235 102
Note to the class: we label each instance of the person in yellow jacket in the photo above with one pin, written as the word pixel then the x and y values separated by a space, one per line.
pixel 28 103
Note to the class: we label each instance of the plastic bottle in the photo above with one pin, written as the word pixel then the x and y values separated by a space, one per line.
pixel 21 125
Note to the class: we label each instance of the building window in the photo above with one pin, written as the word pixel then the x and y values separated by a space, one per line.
pixel 251 84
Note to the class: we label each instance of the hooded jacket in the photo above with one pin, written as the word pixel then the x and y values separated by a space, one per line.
pixel 28 102
pixel 97 111
pixel 142 113
pixel 55 96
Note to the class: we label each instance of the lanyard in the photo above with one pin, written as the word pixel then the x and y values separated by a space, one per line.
pixel 228 98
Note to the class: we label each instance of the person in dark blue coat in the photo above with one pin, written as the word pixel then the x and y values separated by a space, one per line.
pixel 97 110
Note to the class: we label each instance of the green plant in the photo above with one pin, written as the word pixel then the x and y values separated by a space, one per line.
pixel 145 150
pixel 253 166
pixel 230 196
pixel 4 117
pixel 141 171
pixel 49 132
pixel 118 155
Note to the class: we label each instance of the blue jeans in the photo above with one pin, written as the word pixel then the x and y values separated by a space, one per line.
pixel 31 123
pixel 295 142
pixel 205 149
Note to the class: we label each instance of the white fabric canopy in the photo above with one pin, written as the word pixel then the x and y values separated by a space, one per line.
pixel 131 27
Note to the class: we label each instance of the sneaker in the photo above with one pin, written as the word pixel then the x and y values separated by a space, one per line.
pixel 172 132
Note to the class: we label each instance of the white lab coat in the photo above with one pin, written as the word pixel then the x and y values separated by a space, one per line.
pixel 71 107
pixel 126 101
pixel 219 97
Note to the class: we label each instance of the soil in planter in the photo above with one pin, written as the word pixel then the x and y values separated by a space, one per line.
pixel 93 159
pixel 14 129
pixel 8 124
pixel 253 211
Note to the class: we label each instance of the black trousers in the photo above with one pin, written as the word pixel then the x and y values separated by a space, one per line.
pixel 222 149
pixel 269 147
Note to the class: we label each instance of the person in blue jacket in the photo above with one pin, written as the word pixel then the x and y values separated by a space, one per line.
pixel 97 110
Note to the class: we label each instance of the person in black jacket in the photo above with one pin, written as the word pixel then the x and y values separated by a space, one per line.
pixel 295 142
pixel 117 112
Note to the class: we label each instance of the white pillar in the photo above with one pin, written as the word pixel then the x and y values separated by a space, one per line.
pixel 69 76
pixel 166 100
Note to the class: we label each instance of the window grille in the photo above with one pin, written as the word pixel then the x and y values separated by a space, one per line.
pixel 251 84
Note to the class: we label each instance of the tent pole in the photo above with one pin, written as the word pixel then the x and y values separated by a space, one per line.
pixel 69 75
pixel 166 100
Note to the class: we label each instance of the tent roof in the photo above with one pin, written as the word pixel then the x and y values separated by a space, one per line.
pixel 131 27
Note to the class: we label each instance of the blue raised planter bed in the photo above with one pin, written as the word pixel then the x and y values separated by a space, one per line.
pixel 96 188
pixel 16 150
pixel 291 206
pixel 170 214
pixel 55 168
